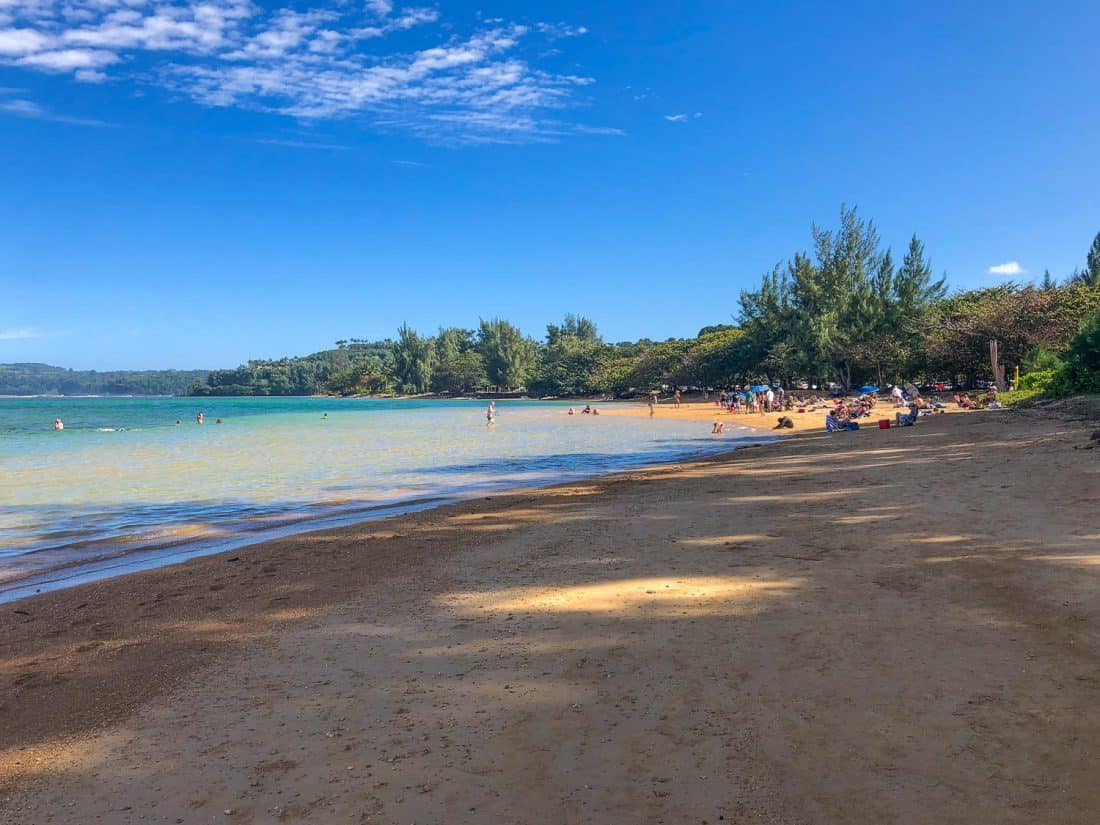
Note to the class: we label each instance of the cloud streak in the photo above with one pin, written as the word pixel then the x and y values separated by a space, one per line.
pixel 1009 268
pixel 31 110
pixel 19 334
pixel 331 61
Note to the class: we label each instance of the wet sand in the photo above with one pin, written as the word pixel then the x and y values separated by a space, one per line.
pixel 880 626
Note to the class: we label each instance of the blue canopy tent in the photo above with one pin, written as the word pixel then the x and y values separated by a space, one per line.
pixel 760 388
pixel 867 390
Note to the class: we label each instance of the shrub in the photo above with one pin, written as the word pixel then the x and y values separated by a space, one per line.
pixel 1041 359
pixel 1081 371
pixel 1040 380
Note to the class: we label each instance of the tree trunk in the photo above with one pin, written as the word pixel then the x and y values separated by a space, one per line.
pixel 998 367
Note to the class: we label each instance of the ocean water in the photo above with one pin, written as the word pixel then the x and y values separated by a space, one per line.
pixel 123 487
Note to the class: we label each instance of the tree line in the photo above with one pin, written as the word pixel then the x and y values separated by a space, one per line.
pixel 844 313
pixel 44 379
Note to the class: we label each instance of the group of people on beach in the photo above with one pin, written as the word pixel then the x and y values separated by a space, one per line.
pixel 758 401
pixel 588 410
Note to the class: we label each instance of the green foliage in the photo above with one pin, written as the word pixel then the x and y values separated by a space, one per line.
pixel 846 314
pixel 1081 371
pixel 43 379
pixel 1037 381
pixel 509 355
pixel 1092 263
pixel 413 358
pixel 1041 359
pixel 354 366
pixel 573 361
pixel 461 372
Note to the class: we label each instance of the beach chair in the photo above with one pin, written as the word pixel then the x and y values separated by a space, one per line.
pixel 832 425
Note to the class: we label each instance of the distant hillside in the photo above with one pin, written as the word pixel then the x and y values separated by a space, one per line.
pixel 354 365
pixel 44 379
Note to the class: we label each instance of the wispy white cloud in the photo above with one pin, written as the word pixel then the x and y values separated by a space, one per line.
pixel 303 144
pixel 1009 268
pixel 325 62
pixel 415 163
pixel 676 118
pixel 30 109
pixel 19 334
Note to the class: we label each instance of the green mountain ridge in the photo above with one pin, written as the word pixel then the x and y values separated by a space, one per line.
pixel 46 379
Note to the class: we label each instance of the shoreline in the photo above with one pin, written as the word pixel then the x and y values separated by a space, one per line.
pixel 123 562
pixel 870 626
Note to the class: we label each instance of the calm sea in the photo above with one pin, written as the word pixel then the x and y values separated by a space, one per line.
pixel 123 487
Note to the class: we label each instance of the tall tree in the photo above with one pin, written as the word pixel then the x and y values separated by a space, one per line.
pixel 509 355
pixel 413 358
pixel 1092 263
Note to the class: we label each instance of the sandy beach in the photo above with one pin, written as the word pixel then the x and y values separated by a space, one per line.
pixel 878 626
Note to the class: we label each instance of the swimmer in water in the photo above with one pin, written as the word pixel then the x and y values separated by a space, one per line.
pixel 177 422
pixel 324 417
pixel 198 418
pixel 58 424
pixel 219 421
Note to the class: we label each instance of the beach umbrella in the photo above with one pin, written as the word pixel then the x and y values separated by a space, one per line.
pixel 867 390
pixel 760 388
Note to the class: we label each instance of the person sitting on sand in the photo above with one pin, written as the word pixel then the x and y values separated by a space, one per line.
pixel 897 395
pixel 587 409
pixel 910 418
pixel 595 411
pixel 58 424
pixel 832 424
pixel 571 412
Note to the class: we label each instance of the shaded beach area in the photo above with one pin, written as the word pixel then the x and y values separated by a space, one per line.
pixel 875 626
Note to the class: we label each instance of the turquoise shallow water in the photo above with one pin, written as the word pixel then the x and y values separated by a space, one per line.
pixel 122 487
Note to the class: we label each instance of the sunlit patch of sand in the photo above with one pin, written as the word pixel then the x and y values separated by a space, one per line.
pixel 1084 559
pixel 52 758
pixel 536 644
pixel 947 538
pixel 720 541
pixel 653 597
pixel 861 519
pixel 820 495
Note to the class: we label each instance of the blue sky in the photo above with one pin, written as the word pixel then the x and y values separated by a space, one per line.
pixel 191 184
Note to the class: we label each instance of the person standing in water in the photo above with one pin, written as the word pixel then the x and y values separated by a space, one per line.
pixel 58 424
pixel 198 418
pixel 491 413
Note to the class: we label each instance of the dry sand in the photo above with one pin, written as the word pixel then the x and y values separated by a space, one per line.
pixel 871 627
